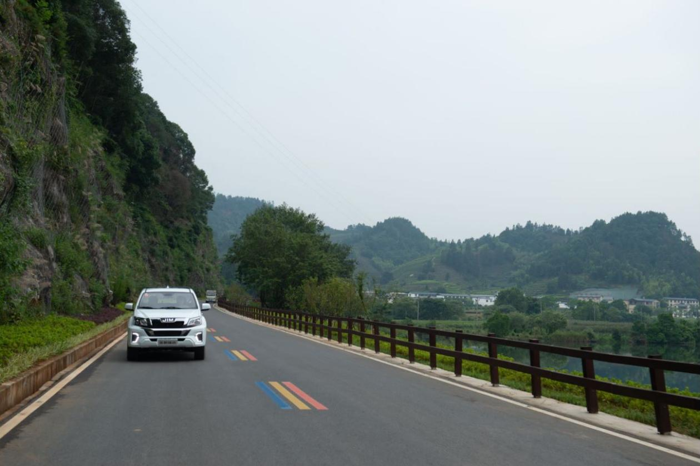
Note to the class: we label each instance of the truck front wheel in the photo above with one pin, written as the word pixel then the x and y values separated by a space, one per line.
pixel 199 353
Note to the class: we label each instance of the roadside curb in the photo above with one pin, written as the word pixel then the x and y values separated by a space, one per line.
pixel 16 392
pixel 677 444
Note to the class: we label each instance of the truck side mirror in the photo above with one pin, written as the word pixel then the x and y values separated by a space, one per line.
pixel 206 306
pixel 129 306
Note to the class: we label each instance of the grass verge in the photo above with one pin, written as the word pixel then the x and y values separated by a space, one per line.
pixel 59 334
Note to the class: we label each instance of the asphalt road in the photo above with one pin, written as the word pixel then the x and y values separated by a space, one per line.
pixel 171 410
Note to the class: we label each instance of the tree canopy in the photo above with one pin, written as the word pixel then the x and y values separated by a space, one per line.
pixel 280 247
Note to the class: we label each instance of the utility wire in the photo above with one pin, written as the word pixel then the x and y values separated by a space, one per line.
pixel 241 127
pixel 257 126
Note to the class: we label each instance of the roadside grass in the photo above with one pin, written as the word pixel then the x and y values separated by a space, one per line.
pixel 25 344
pixel 684 421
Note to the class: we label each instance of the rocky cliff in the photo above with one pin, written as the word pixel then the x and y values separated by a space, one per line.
pixel 99 193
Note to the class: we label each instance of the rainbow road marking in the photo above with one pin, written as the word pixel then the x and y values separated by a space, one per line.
pixel 273 396
pixel 287 394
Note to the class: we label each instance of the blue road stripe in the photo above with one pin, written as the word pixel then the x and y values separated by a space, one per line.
pixel 268 391
pixel 230 355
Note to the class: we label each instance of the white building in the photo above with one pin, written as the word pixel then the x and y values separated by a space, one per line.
pixel 483 299
pixel 682 303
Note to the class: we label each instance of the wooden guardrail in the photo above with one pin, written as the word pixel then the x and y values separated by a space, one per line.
pixel 348 327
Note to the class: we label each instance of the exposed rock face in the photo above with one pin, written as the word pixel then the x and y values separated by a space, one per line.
pixel 76 232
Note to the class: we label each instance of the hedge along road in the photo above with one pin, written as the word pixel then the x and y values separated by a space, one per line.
pixel 267 397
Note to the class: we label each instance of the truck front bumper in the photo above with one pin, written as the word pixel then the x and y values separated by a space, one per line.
pixel 171 338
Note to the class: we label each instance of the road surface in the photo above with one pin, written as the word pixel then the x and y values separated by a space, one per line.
pixel 337 408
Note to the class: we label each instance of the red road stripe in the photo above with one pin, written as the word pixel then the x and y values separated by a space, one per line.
pixel 304 396
pixel 248 355
pixel 212 330
pixel 226 339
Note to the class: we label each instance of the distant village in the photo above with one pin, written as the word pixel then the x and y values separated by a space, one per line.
pixel 680 307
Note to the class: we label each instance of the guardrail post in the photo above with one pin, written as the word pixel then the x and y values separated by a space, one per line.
pixel 433 343
pixel 320 326
pixel 458 349
pixel 363 330
pixel 493 369
pixel 313 324
pixel 376 337
pixel 330 328
pixel 589 373
pixel 392 334
pixel 306 323
pixel 340 329
pixel 536 380
pixel 411 349
pixel 351 328
pixel 658 384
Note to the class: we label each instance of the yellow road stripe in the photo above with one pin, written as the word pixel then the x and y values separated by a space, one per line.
pixel 239 355
pixel 218 339
pixel 286 393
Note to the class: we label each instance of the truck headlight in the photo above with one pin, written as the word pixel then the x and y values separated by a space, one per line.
pixel 141 321
pixel 194 321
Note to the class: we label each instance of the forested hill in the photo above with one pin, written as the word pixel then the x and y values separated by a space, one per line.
pixel 381 248
pixel 642 250
pixel 99 191
pixel 227 216
pixel 645 251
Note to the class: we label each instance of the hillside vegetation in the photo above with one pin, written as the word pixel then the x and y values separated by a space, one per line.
pixel 99 192
pixel 227 216
pixel 644 251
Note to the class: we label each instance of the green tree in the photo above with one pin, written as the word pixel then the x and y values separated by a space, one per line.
pixel 549 321
pixel 280 247
pixel 513 297
pixel 499 324
pixel 237 294
pixel 643 310
pixel 404 308
pixel 518 322
pixel 439 309
pixel 336 296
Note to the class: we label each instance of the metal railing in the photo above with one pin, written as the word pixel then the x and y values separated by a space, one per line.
pixel 346 328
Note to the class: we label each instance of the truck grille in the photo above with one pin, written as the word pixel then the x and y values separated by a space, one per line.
pixel 156 323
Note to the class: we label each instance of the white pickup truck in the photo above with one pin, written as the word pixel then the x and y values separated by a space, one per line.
pixel 211 296
pixel 167 319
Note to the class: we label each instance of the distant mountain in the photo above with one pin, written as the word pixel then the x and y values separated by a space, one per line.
pixel 392 242
pixel 644 250
pixel 227 216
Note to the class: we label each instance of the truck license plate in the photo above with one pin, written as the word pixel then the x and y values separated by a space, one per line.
pixel 167 342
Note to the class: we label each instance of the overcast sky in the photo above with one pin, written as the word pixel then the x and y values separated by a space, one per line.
pixel 463 116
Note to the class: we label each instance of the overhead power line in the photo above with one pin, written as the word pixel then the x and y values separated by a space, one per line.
pixel 245 115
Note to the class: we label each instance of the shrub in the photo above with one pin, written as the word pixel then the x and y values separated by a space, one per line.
pixel 38 237
pixel 18 338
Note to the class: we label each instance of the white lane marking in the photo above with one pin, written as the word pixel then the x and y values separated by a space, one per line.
pixel 36 404
pixel 603 430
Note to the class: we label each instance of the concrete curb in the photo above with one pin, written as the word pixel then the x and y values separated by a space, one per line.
pixel 17 390
pixel 632 430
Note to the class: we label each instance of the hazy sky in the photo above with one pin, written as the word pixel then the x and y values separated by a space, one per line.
pixel 463 116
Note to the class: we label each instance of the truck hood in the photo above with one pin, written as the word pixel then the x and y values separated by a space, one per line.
pixel 179 314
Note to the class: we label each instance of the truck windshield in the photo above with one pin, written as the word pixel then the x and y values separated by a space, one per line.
pixel 167 300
